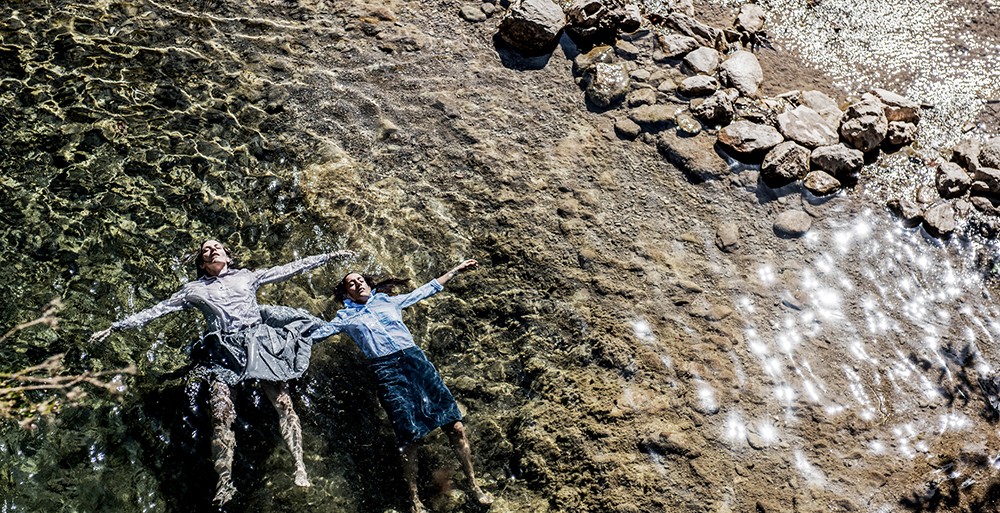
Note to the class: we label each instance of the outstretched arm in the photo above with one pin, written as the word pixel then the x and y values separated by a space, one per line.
pixel 464 266
pixel 284 272
pixel 176 302
pixel 434 286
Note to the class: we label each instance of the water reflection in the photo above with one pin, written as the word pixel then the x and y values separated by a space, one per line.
pixel 878 326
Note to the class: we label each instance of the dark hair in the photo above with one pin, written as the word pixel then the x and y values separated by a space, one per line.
pixel 199 260
pixel 377 284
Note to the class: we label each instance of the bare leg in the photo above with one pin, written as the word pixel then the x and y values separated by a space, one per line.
pixel 459 442
pixel 223 440
pixel 291 429
pixel 410 474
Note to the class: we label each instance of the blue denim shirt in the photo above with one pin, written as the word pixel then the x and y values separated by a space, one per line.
pixel 377 326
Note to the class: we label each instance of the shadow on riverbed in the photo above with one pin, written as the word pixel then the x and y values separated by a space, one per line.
pixel 957 485
pixel 350 456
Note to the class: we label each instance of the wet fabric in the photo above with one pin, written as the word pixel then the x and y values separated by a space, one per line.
pixel 277 349
pixel 243 339
pixel 376 326
pixel 413 395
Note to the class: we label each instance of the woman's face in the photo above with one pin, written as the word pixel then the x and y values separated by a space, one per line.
pixel 213 257
pixel 357 288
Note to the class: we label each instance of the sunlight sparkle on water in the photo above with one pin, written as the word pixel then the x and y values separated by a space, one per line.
pixel 735 430
pixel 766 275
pixel 809 471
pixel 643 331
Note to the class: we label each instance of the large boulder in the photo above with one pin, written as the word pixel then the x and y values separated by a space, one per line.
pixel 607 85
pixel 703 61
pixel 952 181
pixel 750 19
pixel 939 219
pixel 989 153
pixel 676 45
pixel 784 164
pixel 825 106
pixel 838 160
pixel 698 85
pixel 806 127
pixel 742 72
pixel 898 108
pixel 865 124
pixel 717 108
pixel 749 139
pixel 532 26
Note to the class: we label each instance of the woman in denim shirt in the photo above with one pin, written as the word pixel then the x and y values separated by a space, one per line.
pixel 409 387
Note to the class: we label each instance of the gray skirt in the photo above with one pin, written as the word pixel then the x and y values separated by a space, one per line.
pixel 277 349
pixel 413 395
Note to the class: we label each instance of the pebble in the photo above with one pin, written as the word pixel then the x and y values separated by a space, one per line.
pixel 792 223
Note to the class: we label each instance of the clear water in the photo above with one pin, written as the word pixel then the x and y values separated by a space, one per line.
pixel 133 130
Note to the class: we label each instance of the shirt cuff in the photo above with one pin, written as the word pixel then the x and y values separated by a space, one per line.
pixel 436 285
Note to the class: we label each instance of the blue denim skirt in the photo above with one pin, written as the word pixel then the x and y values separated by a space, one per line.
pixel 413 395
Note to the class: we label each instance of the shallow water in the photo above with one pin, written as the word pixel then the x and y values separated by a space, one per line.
pixel 135 129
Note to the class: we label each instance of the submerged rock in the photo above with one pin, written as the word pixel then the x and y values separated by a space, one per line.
pixel 727 237
pixel 820 183
pixel 694 156
pixel 908 211
pixel 608 84
pixel 792 223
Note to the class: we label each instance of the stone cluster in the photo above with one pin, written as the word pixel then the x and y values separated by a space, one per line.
pixel 694 91
pixel 970 179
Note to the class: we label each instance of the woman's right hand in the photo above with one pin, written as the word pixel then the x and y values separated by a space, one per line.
pixel 100 335
pixel 343 253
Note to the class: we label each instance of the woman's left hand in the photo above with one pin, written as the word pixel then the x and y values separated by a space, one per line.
pixel 343 253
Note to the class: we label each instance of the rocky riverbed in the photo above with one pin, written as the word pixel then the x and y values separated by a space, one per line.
pixel 655 327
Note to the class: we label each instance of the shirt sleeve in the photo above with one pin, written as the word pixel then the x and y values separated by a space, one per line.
pixel 423 292
pixel 286 271
pixel 175 303
pixel 329 329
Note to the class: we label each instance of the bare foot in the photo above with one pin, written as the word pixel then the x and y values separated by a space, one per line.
pixel 418 507
pixel 483 498
pixel 301 479
pixel 224 493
